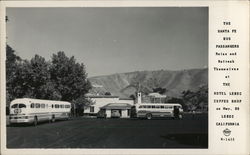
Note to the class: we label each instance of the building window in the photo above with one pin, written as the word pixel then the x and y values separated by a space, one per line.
pixel 128 112
pixel 92 109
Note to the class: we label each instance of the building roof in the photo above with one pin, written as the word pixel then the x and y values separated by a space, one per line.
pixel 125 99
pixel 117 106
pixel 157 95
pixel 101 96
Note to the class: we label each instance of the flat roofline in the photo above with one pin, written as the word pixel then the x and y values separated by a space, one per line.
pixel 117 106
pixel 125 99
pixel 158 103
pixel 101 96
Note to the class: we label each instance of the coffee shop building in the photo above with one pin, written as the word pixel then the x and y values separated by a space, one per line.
pixel 113 106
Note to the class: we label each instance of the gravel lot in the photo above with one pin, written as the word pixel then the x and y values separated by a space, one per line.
pixel 190 132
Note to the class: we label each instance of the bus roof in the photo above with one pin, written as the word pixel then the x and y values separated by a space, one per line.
pixel 172 104
pixel 37 100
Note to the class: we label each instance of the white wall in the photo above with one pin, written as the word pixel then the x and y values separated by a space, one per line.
pixel 131 102
pixel 100 102
pixel 124 114
pixel 108 113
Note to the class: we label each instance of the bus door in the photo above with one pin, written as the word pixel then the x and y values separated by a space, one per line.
pixel 176 111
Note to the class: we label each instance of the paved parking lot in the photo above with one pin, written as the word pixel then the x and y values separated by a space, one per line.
pixel 191 132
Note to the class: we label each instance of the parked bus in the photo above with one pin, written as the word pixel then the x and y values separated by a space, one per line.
pixel 154 110
pixel 28 110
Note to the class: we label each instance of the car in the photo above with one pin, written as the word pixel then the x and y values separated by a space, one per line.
pixel 115 114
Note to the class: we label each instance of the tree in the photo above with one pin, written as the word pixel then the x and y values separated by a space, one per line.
pixel 20 81
pixel 79 104
pixel 69 77
pixel 107 94
pixel 178 100
pixel 12 63
pixel 132 96
pixel 40 78
pixel 49 91
pixel 31 79
pixel 61 79
pixel 159 90
pixel 197 99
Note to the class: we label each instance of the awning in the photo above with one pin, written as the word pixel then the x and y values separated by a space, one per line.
pixel 120 106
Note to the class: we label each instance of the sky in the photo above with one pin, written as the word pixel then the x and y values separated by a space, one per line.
pixel 113 40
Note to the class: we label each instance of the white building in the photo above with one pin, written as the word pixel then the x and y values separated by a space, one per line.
pixel 112 105
pixel 157 98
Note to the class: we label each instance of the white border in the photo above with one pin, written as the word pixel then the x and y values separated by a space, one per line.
pixel 212 6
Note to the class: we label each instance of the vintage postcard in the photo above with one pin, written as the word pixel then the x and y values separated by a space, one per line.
pixel 124 77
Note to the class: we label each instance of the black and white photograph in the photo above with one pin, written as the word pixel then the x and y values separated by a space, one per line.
pixel 107 77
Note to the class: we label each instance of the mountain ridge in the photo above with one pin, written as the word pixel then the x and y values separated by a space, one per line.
pixel 174 81
pixel 97 76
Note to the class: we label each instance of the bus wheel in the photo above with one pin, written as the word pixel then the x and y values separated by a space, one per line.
pixel 35 121
pixel 53 118
pixel 149 116
pixel 67 118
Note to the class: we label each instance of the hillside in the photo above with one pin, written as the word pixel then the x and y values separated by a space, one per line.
pixel 125 84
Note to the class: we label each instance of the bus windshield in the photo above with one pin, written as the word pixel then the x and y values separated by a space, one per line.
pixel 20 105
pixel 14 106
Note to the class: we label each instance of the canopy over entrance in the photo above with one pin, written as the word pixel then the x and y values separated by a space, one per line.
pixel 122 106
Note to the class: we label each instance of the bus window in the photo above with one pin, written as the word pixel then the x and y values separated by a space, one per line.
pixel 37 105
pixel 52 106
pixel 42 105
pixel 149 106
pixel 22 106
pixel 157 107
pixel 153 106
pixel 61 106
pixel 162 107
pixel 140 106
pixel 56 106
pixel 67 106
pixel 14 106
pixel 32 105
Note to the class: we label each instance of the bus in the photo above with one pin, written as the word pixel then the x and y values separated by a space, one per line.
pixel 156 110
pixel 33 111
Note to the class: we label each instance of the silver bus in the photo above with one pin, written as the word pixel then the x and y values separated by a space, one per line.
pixel 26 110
pixel 154 110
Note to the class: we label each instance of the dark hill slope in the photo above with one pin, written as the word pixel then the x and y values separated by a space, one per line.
pixel 125 84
